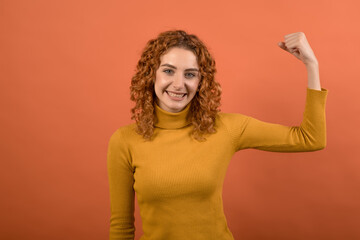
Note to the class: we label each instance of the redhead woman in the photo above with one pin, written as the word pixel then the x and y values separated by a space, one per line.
pixel 176 153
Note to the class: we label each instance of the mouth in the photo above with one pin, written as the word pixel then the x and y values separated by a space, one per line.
pixel 176 96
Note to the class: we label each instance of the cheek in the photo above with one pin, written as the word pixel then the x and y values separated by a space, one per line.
pixel 194 87
pixel 160 86
pixel 158 82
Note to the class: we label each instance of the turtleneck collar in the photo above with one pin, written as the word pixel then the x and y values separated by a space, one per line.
pixel 170 120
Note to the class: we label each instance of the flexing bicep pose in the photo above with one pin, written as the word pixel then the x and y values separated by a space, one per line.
pixel 176 153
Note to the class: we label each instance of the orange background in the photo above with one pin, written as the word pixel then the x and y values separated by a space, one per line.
pixel 65 70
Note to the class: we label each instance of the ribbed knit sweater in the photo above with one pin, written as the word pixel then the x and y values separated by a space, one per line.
pixel 178 180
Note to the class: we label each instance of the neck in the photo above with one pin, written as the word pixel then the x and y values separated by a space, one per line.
pixel 170 120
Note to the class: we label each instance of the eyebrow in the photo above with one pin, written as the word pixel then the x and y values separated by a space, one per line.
pixel 171 66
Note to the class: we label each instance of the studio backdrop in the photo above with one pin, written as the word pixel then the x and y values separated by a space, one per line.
pixel 65 72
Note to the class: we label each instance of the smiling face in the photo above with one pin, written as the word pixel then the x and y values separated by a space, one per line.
pixel 177 79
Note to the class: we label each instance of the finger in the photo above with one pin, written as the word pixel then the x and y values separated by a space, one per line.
pixel 293 50
pixel 292 38
pixel 293 34
pixel 292 44
pixel 286 48
pixel 290 35
pixel 282 45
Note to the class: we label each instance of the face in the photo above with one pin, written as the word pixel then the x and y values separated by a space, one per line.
pixel 177 79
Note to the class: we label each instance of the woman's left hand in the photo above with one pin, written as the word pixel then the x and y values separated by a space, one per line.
pixel 297 45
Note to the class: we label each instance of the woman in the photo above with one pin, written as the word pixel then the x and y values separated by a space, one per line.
pixel 176 153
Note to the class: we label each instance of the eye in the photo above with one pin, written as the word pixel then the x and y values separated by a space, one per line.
pixel 166 70
pixel 191 74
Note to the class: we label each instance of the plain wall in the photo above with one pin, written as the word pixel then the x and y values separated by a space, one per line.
pixel 65 72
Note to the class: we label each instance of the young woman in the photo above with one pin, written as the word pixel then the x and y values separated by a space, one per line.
pixel 176 154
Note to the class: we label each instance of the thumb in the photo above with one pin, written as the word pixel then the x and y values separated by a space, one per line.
pixel 282 45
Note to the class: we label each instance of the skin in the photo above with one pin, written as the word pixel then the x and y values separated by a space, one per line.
pixel 298 46
pixel 179 80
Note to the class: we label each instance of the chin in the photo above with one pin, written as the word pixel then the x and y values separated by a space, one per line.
pixel 176 106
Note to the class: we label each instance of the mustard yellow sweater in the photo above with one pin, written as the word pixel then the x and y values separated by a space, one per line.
pixel 178 180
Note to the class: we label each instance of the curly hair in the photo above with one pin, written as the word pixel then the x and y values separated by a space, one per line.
pixel 205 104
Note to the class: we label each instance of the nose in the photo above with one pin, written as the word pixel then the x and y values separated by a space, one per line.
pixel 179 81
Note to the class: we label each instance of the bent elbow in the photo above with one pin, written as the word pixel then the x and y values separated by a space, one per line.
pixel 319 146
pixel 318 143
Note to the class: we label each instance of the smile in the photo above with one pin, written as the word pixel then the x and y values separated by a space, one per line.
pixel 176 96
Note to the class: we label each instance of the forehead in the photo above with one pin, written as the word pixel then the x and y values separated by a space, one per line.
pixel 179 57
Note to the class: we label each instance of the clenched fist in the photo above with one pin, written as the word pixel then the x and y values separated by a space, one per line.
pixel 297 45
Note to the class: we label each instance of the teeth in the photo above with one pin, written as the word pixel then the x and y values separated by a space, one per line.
pixel 175 95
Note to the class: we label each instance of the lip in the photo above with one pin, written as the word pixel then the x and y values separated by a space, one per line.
pixel 176 98
pixel 175 92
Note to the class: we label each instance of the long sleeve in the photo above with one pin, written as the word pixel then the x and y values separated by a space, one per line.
pixel 249 132
pixel 121 180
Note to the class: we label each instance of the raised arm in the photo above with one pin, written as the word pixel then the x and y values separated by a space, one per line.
pixel 298 46
pixel 249 132
pixel 122 194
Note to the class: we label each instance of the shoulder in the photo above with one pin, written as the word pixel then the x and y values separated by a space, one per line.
pixel 231 118
pixel 232 122
pixel 122 133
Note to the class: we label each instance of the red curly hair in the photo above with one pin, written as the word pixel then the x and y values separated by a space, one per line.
pixel 204 105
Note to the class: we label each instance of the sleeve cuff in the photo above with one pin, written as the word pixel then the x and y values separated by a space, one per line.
pixel 322 89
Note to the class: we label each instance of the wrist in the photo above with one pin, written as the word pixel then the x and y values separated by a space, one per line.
pixel 312 64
